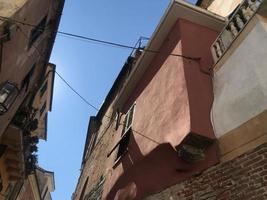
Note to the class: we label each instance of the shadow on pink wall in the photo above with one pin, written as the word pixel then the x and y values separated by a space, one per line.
pixel 156 171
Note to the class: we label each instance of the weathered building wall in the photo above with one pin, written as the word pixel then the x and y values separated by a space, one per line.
pixel 239 108
pixel 204 3
pixel 46 183
pixel 8 7
pixel 173 99
pixel 239 121
pixel 170 92
pixel 26 191
pixel 224 8
pixel 242 178
pixel 220 7
pixel 169 97
pixel 96 165
pixel 4 175
pixel 37 186
pixel 101 138
pixel 18 58
pixel 24 57
pixel 43 101
pixel 240 84
pixel 168 100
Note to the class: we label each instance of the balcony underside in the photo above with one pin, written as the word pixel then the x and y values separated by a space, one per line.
pixel 239 24
pixel 14 156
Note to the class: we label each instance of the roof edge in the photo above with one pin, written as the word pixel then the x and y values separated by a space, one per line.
pixel 171 15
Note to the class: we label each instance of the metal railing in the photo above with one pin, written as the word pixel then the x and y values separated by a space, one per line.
pixel 238 20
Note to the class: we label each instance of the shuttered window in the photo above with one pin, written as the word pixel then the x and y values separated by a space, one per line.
pixel 128 120
pixel 37 31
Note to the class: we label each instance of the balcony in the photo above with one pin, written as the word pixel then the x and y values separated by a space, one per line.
pixel 237 22
pixel 14 157
pixel 19 157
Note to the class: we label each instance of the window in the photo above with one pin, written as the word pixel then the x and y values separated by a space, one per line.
pixel 83 190
pixel 96 192
pixel 26 81
pixel 123 144
pixel 8 94
pixel 92 143
pixel 128 120
pixel 2 150
pixel 126 132
pixel 43 89
pixel 45 193
pixel 42 109
pixel 118 119
pixel 37 31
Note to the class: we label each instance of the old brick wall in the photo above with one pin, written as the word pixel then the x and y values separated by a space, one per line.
pixel 243 178
pixel 96 164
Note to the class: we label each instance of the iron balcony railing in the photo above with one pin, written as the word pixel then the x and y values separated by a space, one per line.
pixel 236 23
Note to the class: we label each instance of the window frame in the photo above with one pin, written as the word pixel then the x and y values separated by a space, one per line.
pixel 127 131
pixel 43 88
pixel 42 109
pixel 122 148
pixel 27 79
pixel 92 143
pixel 118 120
pixel 12 92
pixel 126 124
pixel 37 31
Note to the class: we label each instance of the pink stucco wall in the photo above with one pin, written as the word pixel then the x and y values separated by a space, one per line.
pixel 173 99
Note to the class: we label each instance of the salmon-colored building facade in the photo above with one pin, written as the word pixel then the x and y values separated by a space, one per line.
pixel 186 116
pixel 166 117
pixel 161 132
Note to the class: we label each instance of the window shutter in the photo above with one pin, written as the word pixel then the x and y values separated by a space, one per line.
pixel 128 119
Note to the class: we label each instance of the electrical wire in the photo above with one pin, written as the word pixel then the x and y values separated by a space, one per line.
pixel 109 117
pixel 86 38
pixel 122 45
pixel 88 103
pixel 64 80
pixel 77 93
pixel 83 38
pixel 89 39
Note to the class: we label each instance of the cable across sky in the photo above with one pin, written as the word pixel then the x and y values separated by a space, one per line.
pixel 112 119
pixel 100 41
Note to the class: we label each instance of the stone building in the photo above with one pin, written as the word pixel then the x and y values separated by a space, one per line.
pixel 27 33
pixel 186 116
pixel 38 186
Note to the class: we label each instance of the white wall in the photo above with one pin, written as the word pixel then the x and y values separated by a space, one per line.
pixel 240 85
pixel 223 7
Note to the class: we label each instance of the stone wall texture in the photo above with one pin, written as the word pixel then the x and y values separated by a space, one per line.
pixel 243 178
pixel 96 164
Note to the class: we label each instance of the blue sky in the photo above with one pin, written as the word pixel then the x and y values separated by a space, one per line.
pixel 91 69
